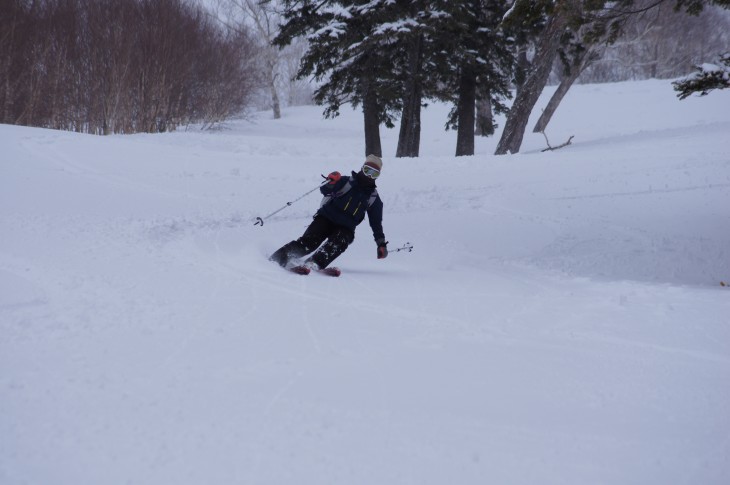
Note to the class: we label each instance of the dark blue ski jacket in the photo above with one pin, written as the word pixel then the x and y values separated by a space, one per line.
pixel 346 202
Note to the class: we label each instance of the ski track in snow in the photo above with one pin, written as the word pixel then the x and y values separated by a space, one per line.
pixel 560 319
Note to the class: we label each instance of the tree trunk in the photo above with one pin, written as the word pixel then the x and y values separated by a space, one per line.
pixel 485 118
pixel 372 121
pixel 9 44
pixel 6 100
pixel 409 138
pixel 466 108
pixel 275 104
pixel 565 85
pixel 528 94
pixel 523 66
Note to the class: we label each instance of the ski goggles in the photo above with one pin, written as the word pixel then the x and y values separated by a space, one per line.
pixel 370 172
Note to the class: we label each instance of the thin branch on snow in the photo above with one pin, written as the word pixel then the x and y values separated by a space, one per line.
pixel 551 148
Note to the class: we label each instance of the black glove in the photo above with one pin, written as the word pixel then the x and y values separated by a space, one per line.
pixel 382 249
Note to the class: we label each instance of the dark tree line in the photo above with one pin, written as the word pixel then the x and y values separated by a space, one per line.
pixel 122 66
pixel 118 66
pixel 393 56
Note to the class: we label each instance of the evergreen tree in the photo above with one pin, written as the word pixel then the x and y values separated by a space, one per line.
pixel 707 78
pixel 353 65
pixel 400 35
pixel 475 63
pixel 391 55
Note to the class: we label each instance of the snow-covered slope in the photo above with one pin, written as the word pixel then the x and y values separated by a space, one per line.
pixel 560 320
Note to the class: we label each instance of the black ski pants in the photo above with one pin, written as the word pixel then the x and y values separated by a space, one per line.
pixel 321 229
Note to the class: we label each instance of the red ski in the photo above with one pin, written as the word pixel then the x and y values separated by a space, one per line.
pixel 332 271
pixel 302 270
pixel 305 270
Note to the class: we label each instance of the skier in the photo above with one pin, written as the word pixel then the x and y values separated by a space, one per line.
pixel 346 200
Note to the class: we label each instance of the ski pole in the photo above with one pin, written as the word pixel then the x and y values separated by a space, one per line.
pixel 406 247
pixel 260 220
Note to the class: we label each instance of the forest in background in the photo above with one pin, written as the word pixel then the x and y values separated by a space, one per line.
pixel 125 66
pixel 119 66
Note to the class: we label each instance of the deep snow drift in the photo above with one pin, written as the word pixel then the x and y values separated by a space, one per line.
pixel 560 320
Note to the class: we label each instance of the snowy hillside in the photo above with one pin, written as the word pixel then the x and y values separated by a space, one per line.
pixel 560 320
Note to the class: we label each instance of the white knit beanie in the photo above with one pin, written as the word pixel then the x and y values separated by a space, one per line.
pixel 374 162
